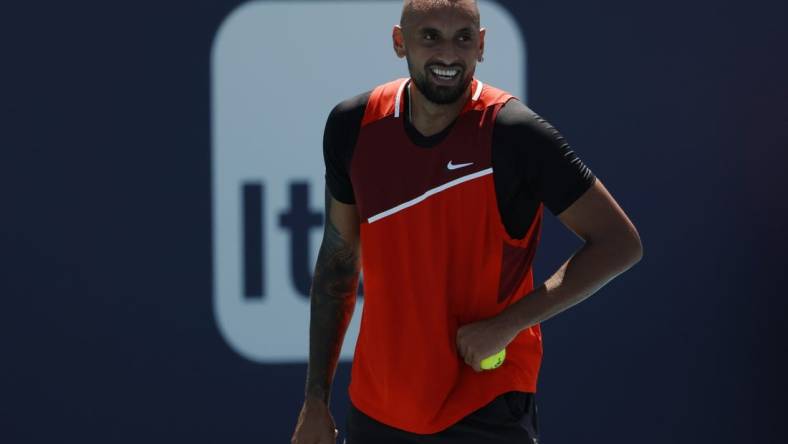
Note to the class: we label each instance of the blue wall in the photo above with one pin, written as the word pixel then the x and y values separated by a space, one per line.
pixel 105 237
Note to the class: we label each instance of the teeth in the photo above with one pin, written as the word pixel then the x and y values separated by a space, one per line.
pixel 445 72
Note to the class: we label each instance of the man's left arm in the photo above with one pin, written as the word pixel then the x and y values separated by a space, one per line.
pixel 531 154
pixel 612 245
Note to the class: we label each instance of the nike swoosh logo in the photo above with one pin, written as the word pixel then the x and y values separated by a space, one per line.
pixel 452 166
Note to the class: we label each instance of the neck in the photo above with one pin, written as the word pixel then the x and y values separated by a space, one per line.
pixel 431 118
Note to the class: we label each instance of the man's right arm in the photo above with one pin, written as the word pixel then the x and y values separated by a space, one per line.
pixel 332 295
pixel 335 280
pixel 332 300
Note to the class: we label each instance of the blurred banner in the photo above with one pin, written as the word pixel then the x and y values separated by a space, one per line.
pixel 269 104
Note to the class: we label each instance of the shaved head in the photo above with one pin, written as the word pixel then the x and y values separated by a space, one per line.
pixel 415 8
pixel 442 42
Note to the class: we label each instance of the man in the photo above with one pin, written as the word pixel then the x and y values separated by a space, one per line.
pixel 442 180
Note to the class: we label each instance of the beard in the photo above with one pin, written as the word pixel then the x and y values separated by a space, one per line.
pixel 440 94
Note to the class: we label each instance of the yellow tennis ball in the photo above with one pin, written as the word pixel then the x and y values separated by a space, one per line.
pixel 494 361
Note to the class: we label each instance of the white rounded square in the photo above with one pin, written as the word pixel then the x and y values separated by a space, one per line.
pixel 277 70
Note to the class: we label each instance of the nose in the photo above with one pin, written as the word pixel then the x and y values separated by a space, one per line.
pixel 447 54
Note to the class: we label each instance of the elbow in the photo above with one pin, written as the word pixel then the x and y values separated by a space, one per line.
pixel 638 255
pixel 634 249
pixel 629 244
pixel 626 248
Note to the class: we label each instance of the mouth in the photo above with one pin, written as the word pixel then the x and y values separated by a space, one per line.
pixel 444 73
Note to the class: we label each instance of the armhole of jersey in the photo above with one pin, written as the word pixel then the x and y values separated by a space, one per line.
pixel 498 99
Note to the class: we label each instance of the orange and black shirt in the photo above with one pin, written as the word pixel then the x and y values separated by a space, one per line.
pixel 450 224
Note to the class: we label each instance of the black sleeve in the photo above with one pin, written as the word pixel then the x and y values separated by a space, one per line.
pixel 534 160
pixel 339 140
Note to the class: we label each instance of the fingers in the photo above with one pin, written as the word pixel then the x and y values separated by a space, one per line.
pixel 327 440
pixel 462 347
pixel 474 363
pixel 465 353
pixel 471 360
pixel 313 432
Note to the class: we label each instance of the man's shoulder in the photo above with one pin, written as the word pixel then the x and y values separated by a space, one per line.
pixel 486 95
pixel 516 115
pixel 352 105
pixel 514 112
pixel 369 105
pixel 517 125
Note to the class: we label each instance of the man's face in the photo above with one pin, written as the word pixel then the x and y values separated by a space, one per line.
pixel 442 45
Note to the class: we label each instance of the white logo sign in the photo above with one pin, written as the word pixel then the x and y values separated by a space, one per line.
pixel 277 69
pixel 454 166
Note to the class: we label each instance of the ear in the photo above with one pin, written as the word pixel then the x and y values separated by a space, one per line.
pixel 398 39
pixel 482 33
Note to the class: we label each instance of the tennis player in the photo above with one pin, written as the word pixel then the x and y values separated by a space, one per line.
pixel 435 186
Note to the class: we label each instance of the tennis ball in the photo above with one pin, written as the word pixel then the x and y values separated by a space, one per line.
pixel 494 361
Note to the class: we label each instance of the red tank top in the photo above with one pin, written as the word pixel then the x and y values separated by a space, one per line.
pixel 435 256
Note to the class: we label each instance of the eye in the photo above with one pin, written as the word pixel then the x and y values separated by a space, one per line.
pixel 430 36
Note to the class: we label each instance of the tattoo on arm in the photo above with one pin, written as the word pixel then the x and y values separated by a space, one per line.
pixel 332 299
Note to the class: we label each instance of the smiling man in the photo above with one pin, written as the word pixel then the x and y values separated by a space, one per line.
pixel 436 185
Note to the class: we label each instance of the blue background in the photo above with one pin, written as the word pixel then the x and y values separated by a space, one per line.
pixel 105 237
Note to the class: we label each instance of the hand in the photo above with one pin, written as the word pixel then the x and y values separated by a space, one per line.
pixel 315 424
pixel 479 340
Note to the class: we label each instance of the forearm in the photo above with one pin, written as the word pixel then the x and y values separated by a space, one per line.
pixel 332 300
pixel 583 274
pixel 329 319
